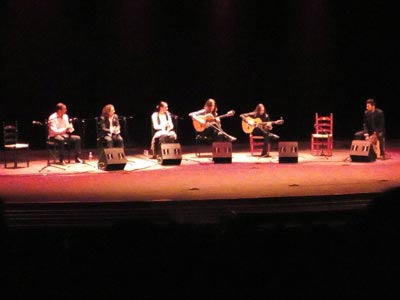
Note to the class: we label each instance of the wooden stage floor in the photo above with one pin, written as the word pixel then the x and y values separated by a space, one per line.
pixel 197 190
pixel 254 228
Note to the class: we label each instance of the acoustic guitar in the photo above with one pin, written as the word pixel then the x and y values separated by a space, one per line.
pixel 200 123
pixel 249 123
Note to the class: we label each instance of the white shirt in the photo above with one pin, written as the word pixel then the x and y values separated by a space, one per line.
pixel 58 125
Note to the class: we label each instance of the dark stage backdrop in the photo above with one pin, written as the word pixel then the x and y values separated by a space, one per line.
pixel 297 57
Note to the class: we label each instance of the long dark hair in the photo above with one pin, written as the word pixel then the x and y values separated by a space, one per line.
pixel 209 103
pixel 259 107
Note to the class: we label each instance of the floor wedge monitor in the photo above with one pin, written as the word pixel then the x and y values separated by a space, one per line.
pixel 171 154
pixel 112 159
pixel 222 152
pixel 362 151
pixel 288 152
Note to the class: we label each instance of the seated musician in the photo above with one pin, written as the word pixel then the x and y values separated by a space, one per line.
pixel 373 128
pixel 110 128
pixel 60 131
pixel 208 124
pixel 260 124
pixel 163 128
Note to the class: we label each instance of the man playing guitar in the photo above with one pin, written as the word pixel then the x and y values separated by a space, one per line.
pixel 207 123
pixel 259 123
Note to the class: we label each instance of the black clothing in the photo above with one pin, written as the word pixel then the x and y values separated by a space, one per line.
pixel 374 121
pixel 263 131
pixel 107 138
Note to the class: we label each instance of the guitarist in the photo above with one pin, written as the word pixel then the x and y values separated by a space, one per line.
pixel 260 113
pixel 208 117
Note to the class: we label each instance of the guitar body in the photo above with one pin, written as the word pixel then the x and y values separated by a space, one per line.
pixel 201 122
pixel 249 123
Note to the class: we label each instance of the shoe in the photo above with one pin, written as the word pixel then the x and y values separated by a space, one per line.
pixel 78 160
pixel 61 162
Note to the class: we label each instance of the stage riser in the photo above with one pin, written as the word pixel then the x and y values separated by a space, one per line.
pixel 183 212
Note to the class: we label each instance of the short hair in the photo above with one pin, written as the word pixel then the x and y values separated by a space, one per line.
pixel 60 106
pixel 371 101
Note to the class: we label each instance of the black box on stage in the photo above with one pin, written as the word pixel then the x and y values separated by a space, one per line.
pixel 362 151
pixel 171 154
pixel 112 159
pixel 288 152
pixel 222 152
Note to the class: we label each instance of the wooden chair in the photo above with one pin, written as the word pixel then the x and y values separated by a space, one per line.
pixel 53 148
pixel 203 145
pixel 322 138
pixel 256 144
pixel 13 145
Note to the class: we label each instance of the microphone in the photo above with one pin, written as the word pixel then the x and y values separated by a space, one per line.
pixel 173 116
pixel 37 123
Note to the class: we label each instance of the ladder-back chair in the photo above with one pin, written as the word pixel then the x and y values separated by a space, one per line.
pixel 322 137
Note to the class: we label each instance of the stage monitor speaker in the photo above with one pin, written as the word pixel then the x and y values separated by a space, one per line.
pixel 362 151
pixel 222 152
pixel 288 152
pixel 112 159
pixel 171 154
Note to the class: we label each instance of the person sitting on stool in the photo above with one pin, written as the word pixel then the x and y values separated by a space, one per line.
pixel 374 123
pixel 60 131
pixel 163 128
pixel 110 128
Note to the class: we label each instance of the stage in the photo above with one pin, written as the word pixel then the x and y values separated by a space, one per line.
pixel 195 191
pixel 253 227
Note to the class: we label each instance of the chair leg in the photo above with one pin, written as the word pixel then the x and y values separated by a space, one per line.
pixel 15 158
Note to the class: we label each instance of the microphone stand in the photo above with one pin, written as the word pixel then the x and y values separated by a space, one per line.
pixel 176 118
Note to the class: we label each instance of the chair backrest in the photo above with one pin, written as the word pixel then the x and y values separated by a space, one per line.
pixel 10 133
pixel 323 124
pixel 46 129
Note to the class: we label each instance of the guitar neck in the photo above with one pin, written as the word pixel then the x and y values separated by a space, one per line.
pixel 223 116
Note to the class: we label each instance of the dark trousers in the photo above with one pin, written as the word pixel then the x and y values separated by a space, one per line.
pixel 268 136
pixel 359 135
pixel 211 134
pixel 115 140
pixel 162 140
pixel 74 140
